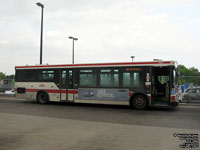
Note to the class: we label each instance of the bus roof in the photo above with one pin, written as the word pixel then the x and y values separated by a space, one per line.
pixel 117 64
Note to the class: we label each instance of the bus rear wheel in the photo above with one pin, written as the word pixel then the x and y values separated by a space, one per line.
pixel 139 102
pixel 42 98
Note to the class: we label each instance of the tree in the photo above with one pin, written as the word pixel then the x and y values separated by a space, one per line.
pixel 10 76
pixel 191 75
pixel 2 76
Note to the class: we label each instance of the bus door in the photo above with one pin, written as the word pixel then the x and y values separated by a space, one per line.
pixel 67 91
pixel 161 85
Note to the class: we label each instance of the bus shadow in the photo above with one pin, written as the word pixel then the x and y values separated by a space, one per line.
pixel 112 106
pixel 105 106
pixel 89 105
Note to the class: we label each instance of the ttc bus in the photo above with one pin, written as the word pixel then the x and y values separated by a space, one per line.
pixel 138 84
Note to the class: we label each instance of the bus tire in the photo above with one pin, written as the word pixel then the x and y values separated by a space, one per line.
pixel 139 102
pixel 42 98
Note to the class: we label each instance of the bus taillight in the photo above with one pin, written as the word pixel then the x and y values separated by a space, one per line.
pixel 173 98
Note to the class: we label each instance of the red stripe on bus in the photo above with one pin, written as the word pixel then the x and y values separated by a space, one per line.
pixel 32 90
pixel 173 98
pixel 99 64
pixel 53 91
pixel 70 91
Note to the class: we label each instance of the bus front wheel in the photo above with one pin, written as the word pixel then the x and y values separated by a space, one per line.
pixel 139 102
pixel 42 98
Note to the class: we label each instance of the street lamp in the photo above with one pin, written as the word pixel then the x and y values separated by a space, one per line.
pixel 73 39
pixel 132 57
pixel 41 37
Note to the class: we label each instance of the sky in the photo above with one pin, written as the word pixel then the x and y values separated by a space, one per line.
pixel 107 31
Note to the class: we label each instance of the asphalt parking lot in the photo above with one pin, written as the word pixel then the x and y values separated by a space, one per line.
pixel 27 125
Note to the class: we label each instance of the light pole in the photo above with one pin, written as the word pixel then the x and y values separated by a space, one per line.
pixel 73 39
pixel 41 37
pixel 132 57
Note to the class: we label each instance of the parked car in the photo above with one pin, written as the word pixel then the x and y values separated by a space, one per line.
pixel 10 92
pixel 192 95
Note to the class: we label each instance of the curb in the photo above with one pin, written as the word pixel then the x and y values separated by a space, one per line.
pixel 12 97
pixel 6 95
pixel 189 104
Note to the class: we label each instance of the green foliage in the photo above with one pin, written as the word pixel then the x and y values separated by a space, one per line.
pixel 2 76
pixel 188 75
pixel 10 76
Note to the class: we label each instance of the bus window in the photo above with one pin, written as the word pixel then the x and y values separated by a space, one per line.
pixel 126 79
pixel 46 75
pixel 131 79
pixel 109 78
pixel 105 80
pixel 63 80
pixel 116 80
pixel 26 75
pixel 135 78
pixel 163 79
pixel 70 79
pixel 87 78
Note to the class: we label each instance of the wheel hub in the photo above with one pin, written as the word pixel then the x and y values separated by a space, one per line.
pixel 139 102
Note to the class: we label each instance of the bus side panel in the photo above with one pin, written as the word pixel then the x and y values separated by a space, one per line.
pixel 29 90
pixel 103 96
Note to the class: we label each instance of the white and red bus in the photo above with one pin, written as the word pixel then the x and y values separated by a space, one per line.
pixel 138 84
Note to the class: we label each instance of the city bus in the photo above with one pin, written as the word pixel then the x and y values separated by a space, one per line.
pixel 138 84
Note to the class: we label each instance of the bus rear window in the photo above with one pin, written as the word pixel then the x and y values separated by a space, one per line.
pixel 26 76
